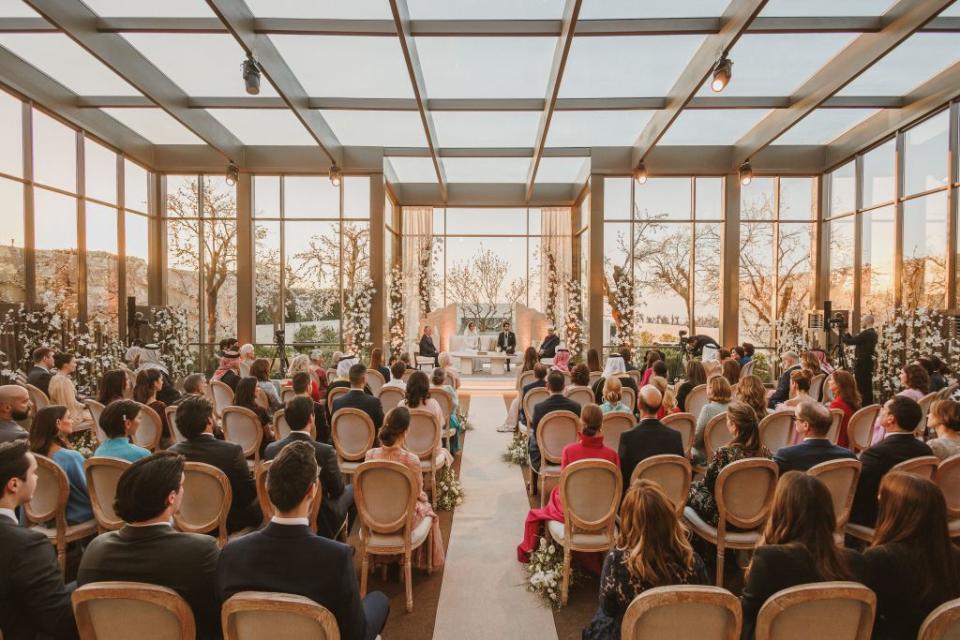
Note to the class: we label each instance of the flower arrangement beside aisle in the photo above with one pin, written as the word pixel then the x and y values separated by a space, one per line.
pixel 908 336
pixel 573 325
pixel 357 316
pixel 516 452
pixel 449 490
pixel 624 320
pixel 397 318
pixel 172 332
pixel 545 572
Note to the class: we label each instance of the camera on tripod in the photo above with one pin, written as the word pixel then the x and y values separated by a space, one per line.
pixel 279 336
pixel 838 321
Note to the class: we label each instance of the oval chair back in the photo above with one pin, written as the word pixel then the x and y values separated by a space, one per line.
pixel 531 400
pixel 635 374
pixel 95 409
pixel 375 381
pixel 590 491
pixel 925 466
pixel 37 397
pixel 287 394
pixel 628 397
pixel 744 492
pixel 686 425
pixel 171 413
pixel 446 401
pixel 924 403
pixel 525 378
pixel 948 479
pixel 673 473
pixel 695 400
pixel 423 436
pixel 776 430
pixel 206 501
pixel 683 612
pixel 150 431
pixel 615 423
pixel 102 475
pixel 280 426
pixel 556 430
pixel 390 397
pixel 331 374
pixel 822 610
pixel 747 369
pixel 840 477
pixel 816 386
pixel 860 427
pixel 266 507
pixel 49 501
pixel 580 395
pixel 333 393
pixel 280 616
pixel 836 419
pixel 594 376
pixel 716 435
pixel 242 426
pixel 131 381
pixel 826 395
pixel 943 623
pixel 222 396
pixel 132 610
pixel 353 434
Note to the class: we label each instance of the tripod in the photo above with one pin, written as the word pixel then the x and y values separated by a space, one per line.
pixel 837 354
pixel 280 351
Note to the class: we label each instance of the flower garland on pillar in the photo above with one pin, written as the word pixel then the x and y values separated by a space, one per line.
pixel 625 320
pixel 357 316
pixel 397 316
pixel 573 324
pixel 909 335
pixel 552 287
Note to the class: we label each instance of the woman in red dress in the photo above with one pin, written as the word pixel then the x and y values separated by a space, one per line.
pixel 843 386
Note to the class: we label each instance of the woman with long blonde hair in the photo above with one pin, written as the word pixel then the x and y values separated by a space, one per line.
pixel 651 550
pixel 612 396
pixel 751 391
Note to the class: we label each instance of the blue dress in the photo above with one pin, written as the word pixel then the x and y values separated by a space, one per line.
pixel 120 448
pixel 78 504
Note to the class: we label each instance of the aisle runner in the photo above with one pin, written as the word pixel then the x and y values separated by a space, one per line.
pixel 483 593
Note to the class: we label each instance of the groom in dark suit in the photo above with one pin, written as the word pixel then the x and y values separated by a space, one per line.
pixel 427 348
pixel 507 342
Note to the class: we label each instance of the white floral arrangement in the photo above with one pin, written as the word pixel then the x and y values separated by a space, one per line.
pixel 465 424
pixel 573 323
pixel 171 330
pixel 397 317
pixel 791 336
pixel 449 491
pixel 552 287
pixel 545 572
pixel 357 315
pixel 625 322
pixel 910 334
pixel 516 452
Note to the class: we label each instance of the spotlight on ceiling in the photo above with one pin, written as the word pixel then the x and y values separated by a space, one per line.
pixel 233 174
pixel 251 75
pixel 336 176
pixel 640 174
pixel 746 173
pixel 722 72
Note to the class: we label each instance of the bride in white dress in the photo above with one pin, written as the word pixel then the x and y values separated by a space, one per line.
pixel 471 337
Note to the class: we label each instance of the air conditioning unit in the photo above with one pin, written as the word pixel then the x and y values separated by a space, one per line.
pixel 815 319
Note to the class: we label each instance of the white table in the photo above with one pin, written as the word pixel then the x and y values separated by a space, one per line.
pixel 497 361
pixel 473 360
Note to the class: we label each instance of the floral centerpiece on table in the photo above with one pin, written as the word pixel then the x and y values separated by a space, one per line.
pixel 449 491
pixel 545 572
pixel 357 315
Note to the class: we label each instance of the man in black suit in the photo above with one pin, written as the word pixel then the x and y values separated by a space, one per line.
pixel 285 557
pixel 507 341
pixel 791 362
pixel 812 423
pixel 195 422
pixel 301 384
pixel 148 549
pixel 14 405
pixel 548 348
pixel 39 374
pixel 899 416
pixel 556 401
pixel 695 344
pixel 337 499
pixel 427 348
pixel 33 599
pixel 357 398
pixel 539 380
pixel 649 438
pixel 865 346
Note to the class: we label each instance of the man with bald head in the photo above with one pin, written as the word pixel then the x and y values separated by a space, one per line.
pixel 14 405
pixel 649 438
pixel 865 347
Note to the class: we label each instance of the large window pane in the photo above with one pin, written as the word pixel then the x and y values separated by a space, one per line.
pixel 56 242
pixel 12 283
pixel 926 150
pixel 268 269
pixel 488 222
pixel 756 282
pixel 54 153
pixel 877 263
pixel 183 269
pixel 312 254
pixel 707 280
pixel 795 282
pixel 842 184
pixel 136 232
pixel 485 277
pixel 925 251
pixel 266 196
pixel 798 199
pixel 662 275
pixel 100 172
pixel 842 262
pixel 616 198
pixel 11 131
pixel 103 302
pixel 310 197
pixel 356 197
pixel 135 187
pixel 878 174
pixel 757 201
pixel 709 199
pixel 617 268
pixel 663 199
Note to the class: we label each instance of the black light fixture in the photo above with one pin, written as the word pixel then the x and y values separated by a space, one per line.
pixel 233 174
pixel 746 173
pixel 251 75
pixel 722 72
pixel 336 176
pixel 640 174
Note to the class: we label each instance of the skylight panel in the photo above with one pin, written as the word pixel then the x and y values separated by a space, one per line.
pixel 376 128
pixel 146 9
pixel 562 170
pixel 711 126
pixel 413 169
pixel 156 125
pixel 485 170
pixel 823 126
pixel 486 128
pixel 486 9
pixel 916 60
pixel 596 128
pixel 264 126
pixel 324 9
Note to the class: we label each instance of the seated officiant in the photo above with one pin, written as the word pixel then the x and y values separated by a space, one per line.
pixel 427 347
pixel 548 348
pixel 507 342
pixel 471 337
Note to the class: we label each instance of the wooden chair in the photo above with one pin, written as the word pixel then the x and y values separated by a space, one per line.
pixel 816 386
pixel 590 491
pixel 594 376
pixel 925 466
pixel 860 427
pixel 287 394
pixel 744 496
pixel 683 612
pixel 333 394
pixel 171 413
pixel 95 409
pixel 628 397
pixel 525 378
pixel 580 395
pixel 150 431
pixel 242 426
pixel 776 430
pixel 716 435
pixel 390 398
pixel 948 479
pixel 615 423
pixel 406 374
pixel 924 403
pixel 530 401
pixel 49 503
pixel 222 397
pixel 839 610
pixel 840 477
pixel 673 473
pixel 113 610
pixel 686 425
pixel 266 507
pixel 102 475
pixel 747 369
pixel 386 496
pixel 556 430
pixel 447 403
pixel 131 381
pixel 206 501
pixel 826 396
pixel 635 374
pixel 375 381
pixel 836 419
pixel 943 623
pixel 353 434
pixel 695 400
pixel 423 440
pixel 37 397
pixel 279 616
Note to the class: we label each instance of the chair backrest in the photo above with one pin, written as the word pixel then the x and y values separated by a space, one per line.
pixel 635 374
pixel 860 427
pixel 744 492
pixel 821 610
pixel 594 376
pixel 683 612
pixel 287 394
pixel 684 423
pixel 673 473
pixel 924 403
pixel 353 433
pixel 446 401
pixel 115 610
pixel 95 409
pixel 407 373
pixel 331 374
pixel 628 397
pixel 242 426
pixel 776 430
pixel 375 381
pixel 49 501
pixel 925 466
pixel 747 369
pixel 615 423
pixel 826 395
pixel 530 401
pixel 280 616
pixel 266 507
pixel 222 396
pixel 948 479
pixel 37 397
pixel 423 436
pixel 816 385
pixel 206 500
pixel 102 475
pixel 841 478
pixel 334 393
pixel 590 491
pixel 385 493
pixel 150 430
pixel 695 400
pixel 525 378
pixel 580 395
pixel 943 623
pixel 390 397
pixel 131 381
pixel 716 435
pixel 836 419
pixel 171 413
pixel 556 430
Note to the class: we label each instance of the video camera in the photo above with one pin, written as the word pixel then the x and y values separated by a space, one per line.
pixel 838 321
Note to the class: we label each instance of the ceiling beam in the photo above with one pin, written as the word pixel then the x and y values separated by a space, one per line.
pixel 571 11
pixel 79 22
pixel 901 21
pixel 735 20
pixel 238 19
pixel 401 18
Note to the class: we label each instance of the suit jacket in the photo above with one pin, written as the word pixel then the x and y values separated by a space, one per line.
pixel 231 379
pixel 877 460
pixel 357 399
pixel 554 402
pixel 10 431
pixel 330 477
pixel 783 388
pixel 649 438
pixel 865 345
pixel 33 598
pixel 229 458
pixel 160 555
pixel 507 341
pixel 548 348
pixel 290 559
pixel 809 453
pixel 40 378
pixel 523 393
pixel 427 348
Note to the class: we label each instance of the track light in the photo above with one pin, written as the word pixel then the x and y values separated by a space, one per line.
pixel 251 75
pixel 336 176
pixel 233 174
pixel 722 72
pixel 640 174
pixel 746 173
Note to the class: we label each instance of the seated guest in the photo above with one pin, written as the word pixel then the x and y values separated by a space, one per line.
pixel 396 375
pixel 748 351
pixel 149 383
pixel 751 390
pixel 301 387
pixel 649 437
pixel 228 371
pixel 48 437
pixel 719 394
pixel 812 423
pixel 810 362
pixel 342 379
pixel 539 380
pixel 798 546
pixel 301 364
pixel 112 386
pixel 548 348
pixel 438 380
pixel 899 416
pixel 150 359
pixel 148 549
pixel 739 354
pixel 427 348
pixel 40 374
pixel 911 564
pixel 446 363
pixel 561 359
pixel 357 398
pixel 730 369
pixel 195 384
pixel 589 445
pixel 612 398
pixel 64 392
pixel 843 386
pixel 418 397
pixel 790 363
pixel 627 355
pixel 376 363
pixel 580 377
pixel 695 376
pixel 317 366
pixel 286 557
pixel 119 419
pixel 14 405
pixel 593 360
pixel 742 423
pixel 34 603
pixel 652 550
pixel 668 404
pixel 337 499
pixel 651 358
pixel 195 422
pixel 556 401
pixel 800 382
pixel 471 337
pixel 248 353
pixel 393 436
pixel 247 395
pixel 915 383
pixel 936 370
pixel 530 360
pixel 944 418
pixel 615 368
pixel 260 369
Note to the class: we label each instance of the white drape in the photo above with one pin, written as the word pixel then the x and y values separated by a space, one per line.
pixel 417 235
pixel 556 231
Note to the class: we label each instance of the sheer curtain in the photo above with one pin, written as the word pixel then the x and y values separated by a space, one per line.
pixel 417 230
pixel 556 229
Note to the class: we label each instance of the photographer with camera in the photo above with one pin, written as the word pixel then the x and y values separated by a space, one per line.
pixel 865 344
pixel 695 344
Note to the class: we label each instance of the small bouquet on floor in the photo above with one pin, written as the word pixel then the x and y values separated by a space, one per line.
pixel 465 425
pixel 516 452
pixel 545 572
pixel 449 490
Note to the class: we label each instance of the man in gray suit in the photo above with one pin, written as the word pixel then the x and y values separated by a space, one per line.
pixel 14 405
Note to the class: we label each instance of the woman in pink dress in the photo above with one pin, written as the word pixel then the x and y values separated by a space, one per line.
pixel 393 435
pixel 915 381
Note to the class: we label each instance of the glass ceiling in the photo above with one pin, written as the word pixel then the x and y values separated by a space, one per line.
pixel 155 125
pixel 823 126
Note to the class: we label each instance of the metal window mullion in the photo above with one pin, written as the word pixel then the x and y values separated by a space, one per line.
pixel 81 221
pixel 898 221
pixel 857 241
pixel 340 270
pixel 953 155
pixel 121 248
pixel 692 268
pixel 29 211
pixel 775 292
pixel 282 298
pixel 201 264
